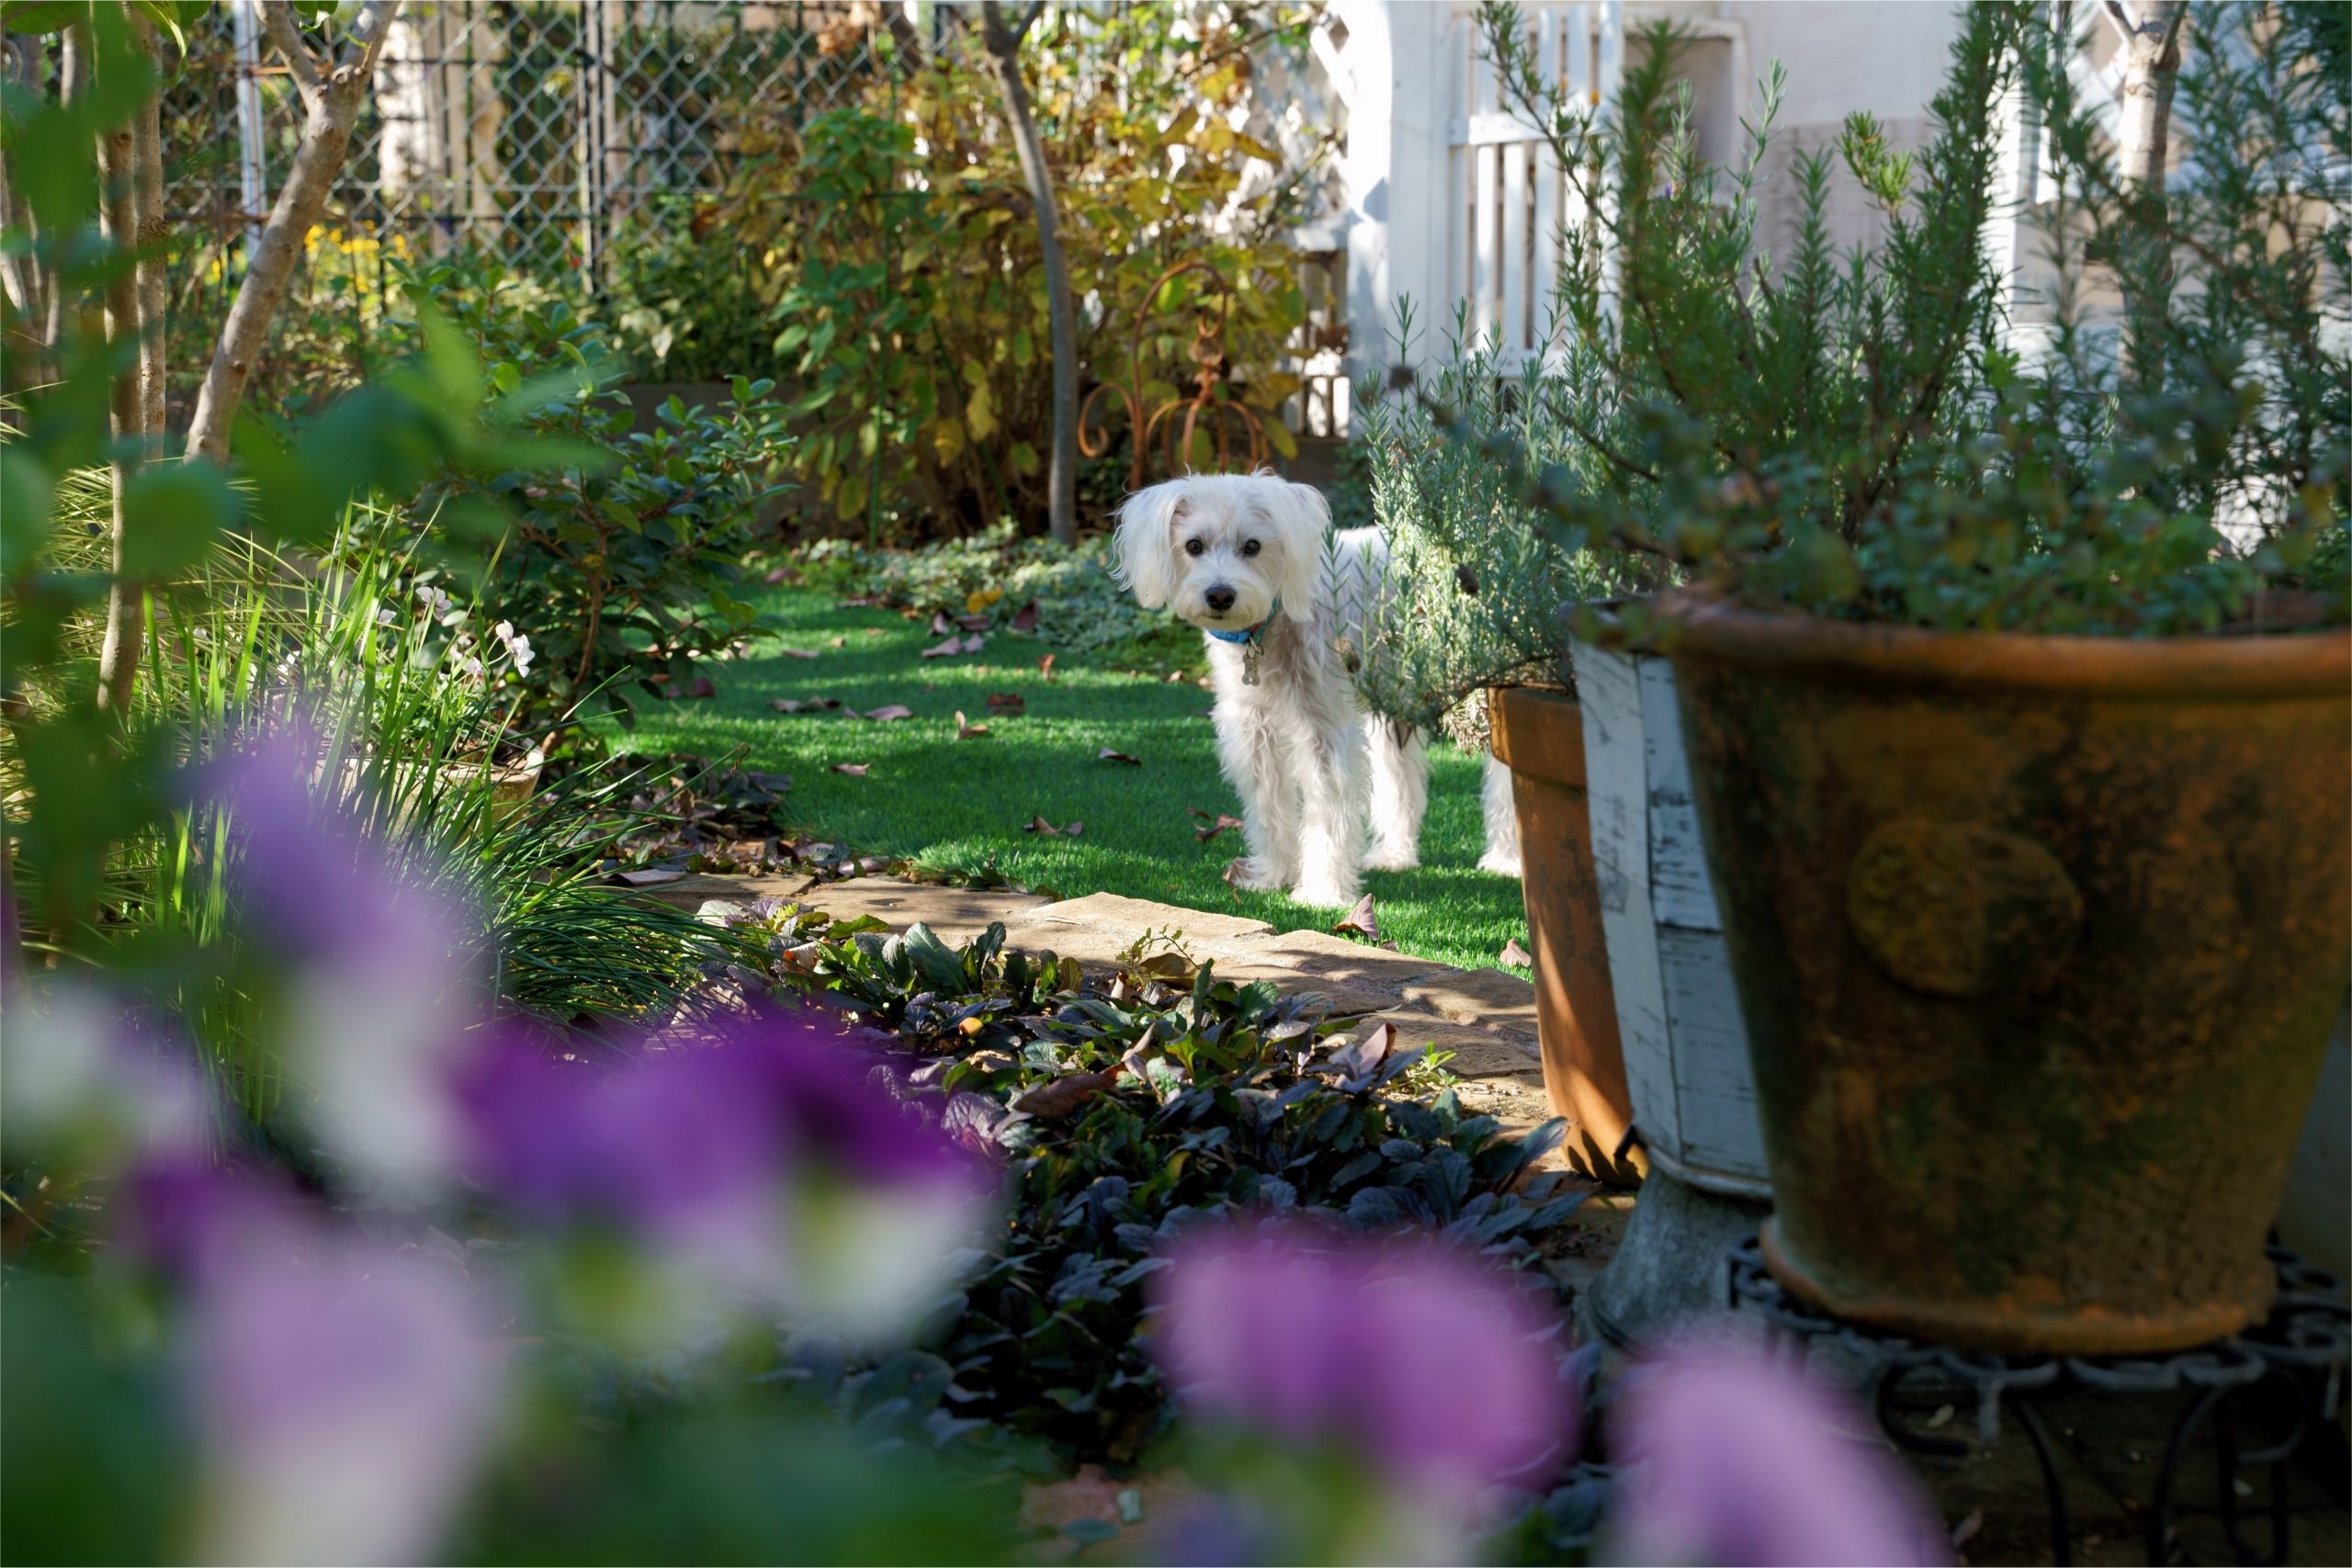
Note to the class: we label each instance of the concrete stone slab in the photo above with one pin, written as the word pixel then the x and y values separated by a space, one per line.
pixel 1475 996
pixel 1334 961
pixel 1477 1053
pixel 957 914
pixel 1136 915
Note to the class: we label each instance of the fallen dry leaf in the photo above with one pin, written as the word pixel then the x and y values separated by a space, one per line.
pixel 1965 1531
pixel 965 730
pixel 1039 825
pixel 839 642
pixel 798 652
pixel 803 705
pixel 945 649
pixel 1214 824
pixel 888 713
pixel 939 625
pixel 854 770
pixel 1045 666
pixel 1075 829
pixel 651 877
pixel 785 574
pixel 1361 921
pixel 1025 618
pixel 1108 755
pixel 974 643
pixel 1053 1101
pixel 1004 704
pixel 1514 953
pixel 1175 677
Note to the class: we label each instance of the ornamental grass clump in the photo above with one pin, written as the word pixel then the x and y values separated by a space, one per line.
pixel 2140 442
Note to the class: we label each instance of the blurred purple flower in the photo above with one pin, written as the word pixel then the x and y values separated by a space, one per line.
pixel 90 1083
pixel 761 1157
pixel 1437 1369
pixel 378 1003
pixel 344 1389
pixel 1734 1458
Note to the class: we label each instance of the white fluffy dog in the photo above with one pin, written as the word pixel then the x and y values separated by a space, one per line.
pixel 1250 559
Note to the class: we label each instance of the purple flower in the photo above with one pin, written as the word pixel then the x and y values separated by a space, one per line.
pixel 343 1391
pixel 378 1001
pixel 760 1159
pixel 1438 1370
pixel 1734 1458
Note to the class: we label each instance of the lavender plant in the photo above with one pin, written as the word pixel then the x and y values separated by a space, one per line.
pixel 1474 583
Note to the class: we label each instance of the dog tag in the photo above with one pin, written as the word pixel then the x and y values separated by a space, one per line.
pixel 1250 662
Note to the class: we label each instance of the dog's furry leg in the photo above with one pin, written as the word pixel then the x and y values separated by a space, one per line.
pixel 1331 776
pixel 1260 773
pixel 1503 822
pixel 1400 794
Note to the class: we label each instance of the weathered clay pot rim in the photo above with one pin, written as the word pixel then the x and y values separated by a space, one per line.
pixel 2301 663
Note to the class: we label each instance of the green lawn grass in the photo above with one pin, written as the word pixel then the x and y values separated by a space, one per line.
pixel 961 804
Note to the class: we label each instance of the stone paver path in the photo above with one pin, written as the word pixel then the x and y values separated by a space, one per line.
pixel 1486 1016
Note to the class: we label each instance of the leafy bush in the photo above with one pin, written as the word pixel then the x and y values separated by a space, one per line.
pixel 620 572
pixel 1861 435
pixel 1129 1111
pixel 1077 604
pixel 904 285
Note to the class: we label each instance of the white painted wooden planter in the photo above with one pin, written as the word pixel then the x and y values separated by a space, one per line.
pixel 1677 1014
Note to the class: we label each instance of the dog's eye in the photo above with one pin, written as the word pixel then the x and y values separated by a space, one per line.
pixel 1192 547
pixel 1249 547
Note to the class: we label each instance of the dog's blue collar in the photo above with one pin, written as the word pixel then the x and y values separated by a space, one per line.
pixel 1248 634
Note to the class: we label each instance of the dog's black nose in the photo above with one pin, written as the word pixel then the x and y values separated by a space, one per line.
pixel 1220 598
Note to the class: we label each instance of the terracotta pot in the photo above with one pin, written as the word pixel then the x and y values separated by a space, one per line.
pixel 2039 940
pixel 1539 736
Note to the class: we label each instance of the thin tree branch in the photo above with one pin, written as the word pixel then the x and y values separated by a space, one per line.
pixel 330 112
pixel 277 20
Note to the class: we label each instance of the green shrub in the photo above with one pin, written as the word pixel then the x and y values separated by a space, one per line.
pixel 623 572
pixel 1078 606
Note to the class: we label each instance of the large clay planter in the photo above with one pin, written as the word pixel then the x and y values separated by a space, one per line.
pixel 1539 736
pixel 2039 942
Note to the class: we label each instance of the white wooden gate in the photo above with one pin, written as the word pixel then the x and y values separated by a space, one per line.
pixel 1506 197
pixel 1453 194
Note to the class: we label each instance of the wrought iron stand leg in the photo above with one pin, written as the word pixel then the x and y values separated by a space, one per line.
pixel 2053 1485
pixel 2159 1541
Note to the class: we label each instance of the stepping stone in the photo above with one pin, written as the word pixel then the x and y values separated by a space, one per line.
pixel 1477 1053
pixel 1133 916
pixel 957 914
pixel 1475 996
pixel 1331 962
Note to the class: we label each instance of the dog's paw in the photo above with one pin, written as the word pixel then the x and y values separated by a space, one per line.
pixel 1324 894
pixel 1500 863
pixel 1253 876
pixel 1406 857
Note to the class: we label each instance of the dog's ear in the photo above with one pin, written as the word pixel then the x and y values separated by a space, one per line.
pixel 1304 519
pixel 1146 542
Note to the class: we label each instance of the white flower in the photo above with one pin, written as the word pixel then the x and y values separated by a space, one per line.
pixel 386 618
pixel 471 669
pixel 521 648
pixel 506 630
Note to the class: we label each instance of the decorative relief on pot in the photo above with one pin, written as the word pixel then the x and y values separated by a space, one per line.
pixel 1963 910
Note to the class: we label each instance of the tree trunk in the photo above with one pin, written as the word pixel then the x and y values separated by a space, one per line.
pixel 119 217
pixel 1004 40
pixel 154 286
pixel 2151 52
pixel 22 276
pixel 331 104
pixel 2151 70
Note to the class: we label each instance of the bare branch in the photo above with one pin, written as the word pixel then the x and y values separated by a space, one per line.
pixel 2120 18
pixel 277 20
pixel 1021 29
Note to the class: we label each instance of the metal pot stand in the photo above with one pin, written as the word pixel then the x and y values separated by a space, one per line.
pixel 2293 1364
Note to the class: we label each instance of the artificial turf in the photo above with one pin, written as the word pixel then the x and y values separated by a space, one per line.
pixel 962 805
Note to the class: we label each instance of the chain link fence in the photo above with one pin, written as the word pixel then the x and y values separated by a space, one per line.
pixel 535 128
